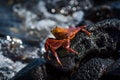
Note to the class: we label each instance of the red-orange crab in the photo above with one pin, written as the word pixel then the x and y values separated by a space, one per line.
pixel 62 39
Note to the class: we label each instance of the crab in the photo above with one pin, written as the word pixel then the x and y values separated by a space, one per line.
pixel 62 39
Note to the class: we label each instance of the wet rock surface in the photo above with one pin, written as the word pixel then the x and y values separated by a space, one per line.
pixel 36 70
pixel 8 68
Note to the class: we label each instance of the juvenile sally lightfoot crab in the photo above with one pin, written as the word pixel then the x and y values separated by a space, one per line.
pixel 62 39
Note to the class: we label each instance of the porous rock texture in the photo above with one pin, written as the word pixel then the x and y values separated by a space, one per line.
pixel 92 69
pixel 112 72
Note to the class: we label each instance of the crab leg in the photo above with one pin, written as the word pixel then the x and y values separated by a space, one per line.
pixel 87 32
pixel 56 56
pixel 47 49
pixel 84 30
pixel 66 45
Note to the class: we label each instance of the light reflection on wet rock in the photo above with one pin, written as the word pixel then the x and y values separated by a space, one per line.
pixel 8 68
pixel 15 50
pixel 36 70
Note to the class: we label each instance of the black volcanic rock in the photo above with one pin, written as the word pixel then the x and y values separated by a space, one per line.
pixel 35 70
pixel 92 70
pixel 113 72
pixel 116 8
pixel 67 59
pixel 57 72
pixel 100 13
pixel 101 2
pixel 102 43
pixel 108 10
